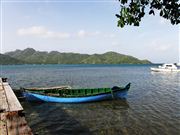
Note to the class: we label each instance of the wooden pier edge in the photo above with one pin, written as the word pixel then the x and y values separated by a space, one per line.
pixel 12 119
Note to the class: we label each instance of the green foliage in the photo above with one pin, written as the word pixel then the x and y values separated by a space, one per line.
pixel 7 60
pixel 133 11
pixel 30 56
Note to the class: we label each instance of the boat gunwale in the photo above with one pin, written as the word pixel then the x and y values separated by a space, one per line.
pixel 76 96
pixel 42 92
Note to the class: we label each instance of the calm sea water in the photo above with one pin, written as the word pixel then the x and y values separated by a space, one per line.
pixel 152 107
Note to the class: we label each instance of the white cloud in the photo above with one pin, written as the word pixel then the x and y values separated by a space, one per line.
pixel 35 30
pixel 83 33
pixel 109 35
pixel 96 33
pixel 40 31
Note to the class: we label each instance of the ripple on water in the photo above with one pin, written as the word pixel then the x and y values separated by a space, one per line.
pixel 152 108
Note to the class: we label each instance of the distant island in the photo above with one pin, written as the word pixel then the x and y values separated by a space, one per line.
pixel 31 56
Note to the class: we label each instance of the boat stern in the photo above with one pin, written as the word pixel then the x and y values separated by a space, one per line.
pixel 120 93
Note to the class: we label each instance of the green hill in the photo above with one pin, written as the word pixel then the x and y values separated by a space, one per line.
pixel 113 58
pixel 31 56
pixel 7 60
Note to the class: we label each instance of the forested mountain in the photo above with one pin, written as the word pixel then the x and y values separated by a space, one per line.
pixel 31 56
pixel 6 60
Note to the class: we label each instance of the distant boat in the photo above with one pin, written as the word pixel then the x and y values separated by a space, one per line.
pixel 167 68
pixel 76 95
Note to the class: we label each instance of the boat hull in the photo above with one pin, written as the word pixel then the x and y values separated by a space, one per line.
pixel 164 70
pixel 106 96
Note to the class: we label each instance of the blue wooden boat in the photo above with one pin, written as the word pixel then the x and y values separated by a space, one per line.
pixel 76 95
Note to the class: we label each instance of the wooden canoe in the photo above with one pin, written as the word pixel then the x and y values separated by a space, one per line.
pixel 76 95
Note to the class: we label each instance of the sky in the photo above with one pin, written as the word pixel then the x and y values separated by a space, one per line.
pixel 87 26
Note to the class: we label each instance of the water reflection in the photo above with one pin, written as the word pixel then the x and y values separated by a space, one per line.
pixel 55 118
pixel 48 118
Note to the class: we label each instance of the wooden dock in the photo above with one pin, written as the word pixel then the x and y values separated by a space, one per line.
pixel 12 120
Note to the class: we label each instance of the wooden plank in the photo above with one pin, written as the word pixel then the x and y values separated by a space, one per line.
pixel 12 100
pixel 12 120
pixel 3 102
pixel 50 88
pixel 1 85
pixel 5 83
pixel 16 124
pixel 3 125
pixel 3 108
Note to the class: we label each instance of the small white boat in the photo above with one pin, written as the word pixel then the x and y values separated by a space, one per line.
pixel 167 68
